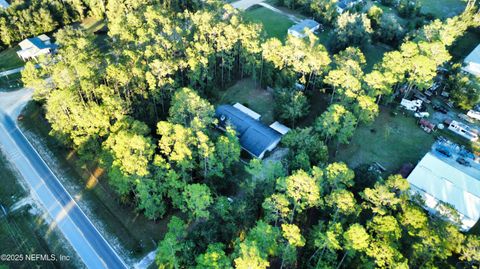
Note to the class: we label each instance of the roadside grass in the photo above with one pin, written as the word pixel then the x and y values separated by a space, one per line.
pixel 247 93
pixel 464 45
pixel 136 234
pixel 443 9
pixel 390 141
pixel 22 232
pixel 274 24
pixel 9 59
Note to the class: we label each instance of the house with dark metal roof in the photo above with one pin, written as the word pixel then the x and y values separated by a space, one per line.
pixel 298 30
pixel 255 137
pixel 33 47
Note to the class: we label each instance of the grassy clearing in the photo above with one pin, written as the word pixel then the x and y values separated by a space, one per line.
pixel 22 232
pixel 251 95
pixel 443 8
pixel 133 230
pixel 9 59
pixel 390 140
pixel 274 24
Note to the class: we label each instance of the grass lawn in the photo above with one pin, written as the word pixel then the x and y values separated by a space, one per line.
pixel 135 233
pixel 373 54
pixel 443 8
pixel 464 45
pixel 390 140
pixel 252 96
pixel 9 59
pixel 22 232
pixel 11 82
pixel 274 24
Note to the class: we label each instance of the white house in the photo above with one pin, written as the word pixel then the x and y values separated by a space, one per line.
pixel 299 29
pixel 33 47
pixel 343 5
pixel 472 62
pixel 441 180
pixel 4 4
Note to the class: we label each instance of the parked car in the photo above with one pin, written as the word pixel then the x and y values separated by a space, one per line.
pixel 440 109
pixel 20 117
pixel 443 151
pixel 464 162
pixel 421 114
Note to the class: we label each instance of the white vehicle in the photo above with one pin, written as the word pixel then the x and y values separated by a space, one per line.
pixel 463 130
pixel 473 114
pixel 421 114
pixel 412 105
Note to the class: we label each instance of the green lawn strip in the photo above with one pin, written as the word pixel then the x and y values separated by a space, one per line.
pixel 443 8
pixel 9 59
pixel 247 93
pixel 24 233
pixel 134 231
pixel 274 24
pixel 11 82
pixel 390 141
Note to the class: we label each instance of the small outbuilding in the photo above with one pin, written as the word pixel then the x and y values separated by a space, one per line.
pixel 300 29
pixel 31 48
pixel 472 62
pixel 255 137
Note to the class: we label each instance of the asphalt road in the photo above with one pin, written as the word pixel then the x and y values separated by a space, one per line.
pixel 89 244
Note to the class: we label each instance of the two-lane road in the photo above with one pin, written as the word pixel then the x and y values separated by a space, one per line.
pixel 89 244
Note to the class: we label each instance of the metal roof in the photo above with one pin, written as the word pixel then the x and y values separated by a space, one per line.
pixel 307 23
pixel 472 62
pixel 254 136
pixel 4 4
pixel 441 179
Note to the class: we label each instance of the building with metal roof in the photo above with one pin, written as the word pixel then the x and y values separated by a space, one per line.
pixel 255 137
pixel 472 62
pixel 343 5
pixel 33 47
pixel 441 179
pixel 298 30
pixel 4 4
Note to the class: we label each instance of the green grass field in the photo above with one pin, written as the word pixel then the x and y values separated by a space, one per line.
pixel 134 231
pixel 9 59
pixel 252 96
pixel 22 232
pixel 274 24
pixel 390 140
pixel 443 8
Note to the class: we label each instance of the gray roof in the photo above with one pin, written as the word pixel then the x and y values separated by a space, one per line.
pixel 254 136
pixel 343 4
pixel 307 23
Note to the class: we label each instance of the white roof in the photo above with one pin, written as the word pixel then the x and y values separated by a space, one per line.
pixel 44 37
pixel 277 126
pixel 472 62
pixel 449 183
pixel 248 111
pixel 4 4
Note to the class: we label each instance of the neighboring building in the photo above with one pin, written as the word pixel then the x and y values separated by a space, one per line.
pixel 298 30
pixel 474 114
pixel 441 180
pixel 343 5
pixel 4 4
pixel 255 137
pixel 472 62
pixel 33 47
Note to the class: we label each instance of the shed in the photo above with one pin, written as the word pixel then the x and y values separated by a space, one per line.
pixel 298 30
pixel 440 179
pixel 255 137
pixel 472 62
